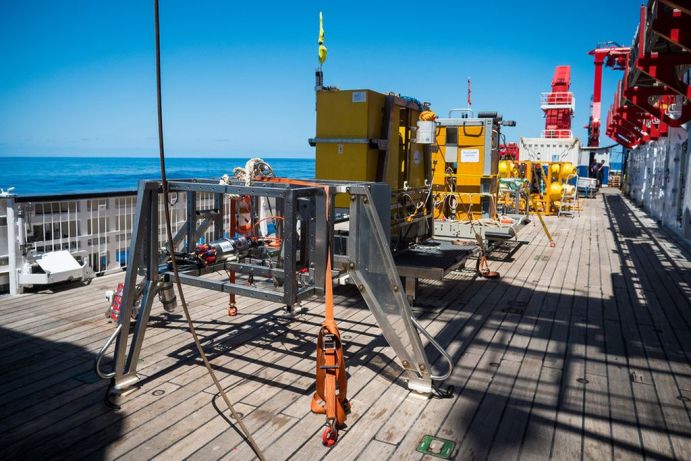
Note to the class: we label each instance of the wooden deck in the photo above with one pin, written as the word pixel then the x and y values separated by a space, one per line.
pixel 577 352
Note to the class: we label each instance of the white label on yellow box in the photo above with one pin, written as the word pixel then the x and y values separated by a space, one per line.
pixel 359 96
pixel 470 155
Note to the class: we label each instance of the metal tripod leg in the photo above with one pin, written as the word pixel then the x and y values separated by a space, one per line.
pixel 373 270
pixel 143 247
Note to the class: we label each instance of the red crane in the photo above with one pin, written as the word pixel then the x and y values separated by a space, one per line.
pixel 655 91
pixel 613 55
pixel 558 105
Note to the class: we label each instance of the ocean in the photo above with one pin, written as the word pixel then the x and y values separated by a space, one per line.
pixel 62 175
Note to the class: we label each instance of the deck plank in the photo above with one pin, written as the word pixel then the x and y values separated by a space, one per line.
pixel 511 343
pixel 570 355
pixel 634 313
pixel 551 342
pixel 626 437
pixel 535 329
pixel 597 438
pixel 466 342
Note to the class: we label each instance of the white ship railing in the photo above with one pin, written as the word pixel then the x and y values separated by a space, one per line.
pixel 94 227
pixel 557 100
pixel 556 134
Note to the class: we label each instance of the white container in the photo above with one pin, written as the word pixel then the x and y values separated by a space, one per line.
pixel 550 149
pixel 425 132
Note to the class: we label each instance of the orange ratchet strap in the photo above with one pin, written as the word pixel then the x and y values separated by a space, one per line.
pixel 330 397
pixel 232 303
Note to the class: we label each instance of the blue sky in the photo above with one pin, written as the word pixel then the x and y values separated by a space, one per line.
pixel 78 77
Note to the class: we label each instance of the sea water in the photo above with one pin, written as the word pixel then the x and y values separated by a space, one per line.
pixel 63 175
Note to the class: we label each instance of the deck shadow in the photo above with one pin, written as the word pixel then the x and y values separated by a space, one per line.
pixel 610 363
pixel 38 406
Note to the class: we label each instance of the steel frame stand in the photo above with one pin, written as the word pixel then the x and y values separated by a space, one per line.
pixel 368 262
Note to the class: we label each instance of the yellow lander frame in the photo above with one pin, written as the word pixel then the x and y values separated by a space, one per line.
pixel 465 181
pixel 549 184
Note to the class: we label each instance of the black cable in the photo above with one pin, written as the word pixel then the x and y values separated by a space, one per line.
pixel 171 246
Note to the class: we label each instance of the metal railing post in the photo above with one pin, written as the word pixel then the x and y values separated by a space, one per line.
pixel 12 245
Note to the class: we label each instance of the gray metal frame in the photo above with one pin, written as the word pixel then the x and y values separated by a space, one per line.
pixel 368 262
pixel 145 257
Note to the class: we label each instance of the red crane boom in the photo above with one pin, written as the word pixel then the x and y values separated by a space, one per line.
pixel 558 105
pixel 611 55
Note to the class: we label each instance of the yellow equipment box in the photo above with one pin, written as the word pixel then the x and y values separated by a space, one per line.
pixel 363 135
pixel 347 121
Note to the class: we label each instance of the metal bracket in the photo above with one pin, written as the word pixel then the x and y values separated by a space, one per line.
pixel 374 272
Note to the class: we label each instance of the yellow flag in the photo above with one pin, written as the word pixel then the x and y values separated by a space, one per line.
pixel 322 48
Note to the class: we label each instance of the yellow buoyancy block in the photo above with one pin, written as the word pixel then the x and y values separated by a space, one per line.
pixel 555 190
pixel 554 169
pixel 506 168
pixel 566 170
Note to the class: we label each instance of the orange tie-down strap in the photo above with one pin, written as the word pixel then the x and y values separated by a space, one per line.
pixel 330 397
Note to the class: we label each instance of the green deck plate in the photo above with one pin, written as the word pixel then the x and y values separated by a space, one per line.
pixel 444 453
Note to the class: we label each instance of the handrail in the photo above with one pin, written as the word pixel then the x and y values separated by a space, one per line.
pixel 438 347
pixel 95 227
pixel 468 112
pixel 102 351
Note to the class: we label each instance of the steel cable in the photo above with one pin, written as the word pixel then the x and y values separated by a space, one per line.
pixel 171 248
